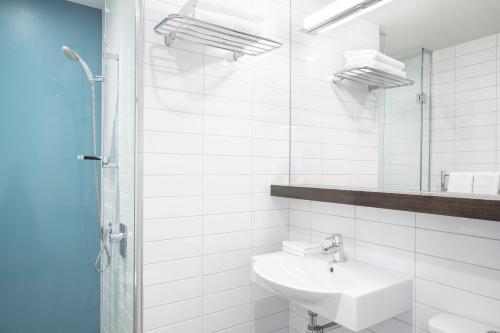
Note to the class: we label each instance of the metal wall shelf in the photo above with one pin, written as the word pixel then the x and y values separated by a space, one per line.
pixel 189 29
pixel 374 78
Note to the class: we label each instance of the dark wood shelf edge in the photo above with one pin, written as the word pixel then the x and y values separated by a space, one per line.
pixel 475 208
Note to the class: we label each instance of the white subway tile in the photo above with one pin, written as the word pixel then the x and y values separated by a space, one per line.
pixel 225 319
pixel 173 143
pixel 165 207
pixel 168 78
pixel 331 224
pixel 194 325
pixel 467 249
pixel 227 184
pixel 226 242
pixel 270 218
pixel 214 283
pixel 226 203
pixel 178 185
pixel 459 302
pixel 226 299
pixel 386 216
pixel 172 249
pixel 385 257
pixel 476 45
pixel 479 280
pixel 155 230
pixel 171 292
pixel 221 262
pixel 169 314
pixel 159 164
pixel 400 237
pixel 171 271
pixel 457 225
pixel 223 223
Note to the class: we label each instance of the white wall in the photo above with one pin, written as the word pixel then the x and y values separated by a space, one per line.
pixel 334 139
pixel 466 122
pixel 215 137
pixel 454 262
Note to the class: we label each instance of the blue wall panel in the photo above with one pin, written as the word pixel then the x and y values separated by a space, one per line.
pixel 49 235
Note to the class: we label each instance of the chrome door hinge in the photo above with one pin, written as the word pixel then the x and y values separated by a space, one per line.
pixel 420 98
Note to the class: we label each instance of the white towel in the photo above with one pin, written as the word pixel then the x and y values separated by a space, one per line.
pixel 376 65
pixel 460 182
pixel 300 253
pixel 227 21
pixel 243 15
pixel 486 182
pixel 302 246
pixel 253 11
pixel 370 54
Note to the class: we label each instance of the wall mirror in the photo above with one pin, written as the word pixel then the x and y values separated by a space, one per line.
pixel 428 122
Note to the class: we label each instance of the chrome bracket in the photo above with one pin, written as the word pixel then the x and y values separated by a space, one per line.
pixel 237 55
pixel 106 164
pixel 169 40
pixel 99 78
pixel 121 238
pixel 420 98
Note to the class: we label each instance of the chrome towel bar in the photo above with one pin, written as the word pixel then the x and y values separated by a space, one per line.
pixel 181 27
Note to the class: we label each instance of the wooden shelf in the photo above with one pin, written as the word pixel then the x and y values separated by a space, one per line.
pixel 483 208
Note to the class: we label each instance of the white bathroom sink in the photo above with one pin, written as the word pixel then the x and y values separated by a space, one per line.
pixel 355 295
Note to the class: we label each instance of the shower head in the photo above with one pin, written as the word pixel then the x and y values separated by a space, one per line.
pixel 72 55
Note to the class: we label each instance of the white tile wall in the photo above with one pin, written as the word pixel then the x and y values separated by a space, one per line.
pixel 215 137
pixel 334 127
pixel 465 120
pixel 454 262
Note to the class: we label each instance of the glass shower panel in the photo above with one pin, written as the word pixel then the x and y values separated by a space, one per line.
pixel 118 176
pixel 405 125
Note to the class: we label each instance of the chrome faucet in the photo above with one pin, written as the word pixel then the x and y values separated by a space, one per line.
pixel 336 248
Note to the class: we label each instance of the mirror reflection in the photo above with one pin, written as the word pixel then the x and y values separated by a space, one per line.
pixel 396 95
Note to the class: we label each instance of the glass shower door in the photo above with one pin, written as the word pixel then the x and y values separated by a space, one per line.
pixel 118 175
pixel 405 112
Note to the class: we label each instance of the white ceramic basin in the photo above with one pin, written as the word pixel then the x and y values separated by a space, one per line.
pixel 355 295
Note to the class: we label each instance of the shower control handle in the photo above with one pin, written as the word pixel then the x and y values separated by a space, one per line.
pixel 88 157
pixel 118 237
pixel 121 238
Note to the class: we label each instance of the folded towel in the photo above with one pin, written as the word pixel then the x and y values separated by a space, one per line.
pixel 253 11
pixel 227 21
pixel 377 65
pixel 247 16
pixel 460 182
pixel 302 245
pixel 486 182
pixel 301 253
pixel 370 54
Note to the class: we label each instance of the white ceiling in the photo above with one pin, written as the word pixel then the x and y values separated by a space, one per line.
pixel 92 3
pixel 410 25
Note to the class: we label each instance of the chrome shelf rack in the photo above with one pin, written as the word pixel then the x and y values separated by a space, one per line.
pixel 374 78
pixel 181 27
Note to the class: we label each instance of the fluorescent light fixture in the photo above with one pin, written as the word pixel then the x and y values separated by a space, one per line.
pixel 338 13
